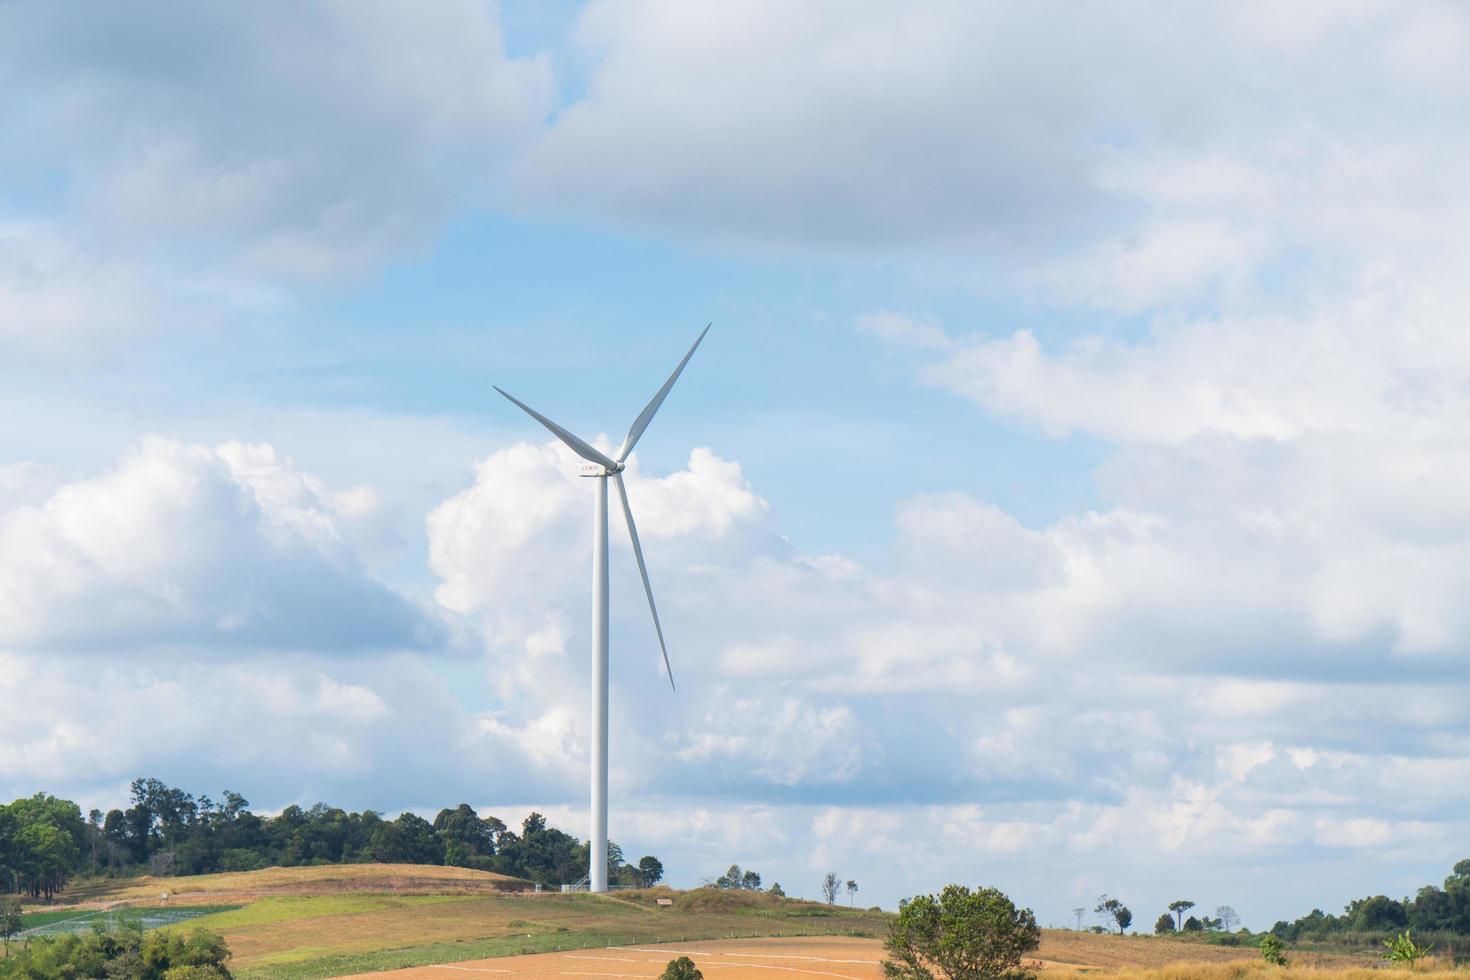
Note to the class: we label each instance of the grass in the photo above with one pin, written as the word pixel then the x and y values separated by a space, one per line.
pixel 304 938
pixel 330 920
pixel 1261 970
pixel 406 879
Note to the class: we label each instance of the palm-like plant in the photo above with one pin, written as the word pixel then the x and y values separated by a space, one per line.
pixel 1403 949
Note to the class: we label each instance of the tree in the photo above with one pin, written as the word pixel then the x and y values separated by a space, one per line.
pixel 1192 924
pixel 777 890
pixel 852 888
pixel 9 918
pixel 1227 918
pixel 1112 908
pixel 960 935
pixel 1273 950
pixel 650 870
pixel 1164 925
pixel 681 969
pixel 830 884
pixel 1179 908
pixel 1079 912
pixel 750 881
pixel 732 879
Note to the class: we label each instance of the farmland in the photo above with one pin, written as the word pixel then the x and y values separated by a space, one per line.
pixel 1062 955
pixel 342 920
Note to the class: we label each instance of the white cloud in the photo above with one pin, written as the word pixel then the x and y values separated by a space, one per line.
pixel 182 545
pixel 199 164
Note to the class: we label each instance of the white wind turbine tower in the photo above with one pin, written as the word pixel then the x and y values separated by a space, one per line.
pixel 601 467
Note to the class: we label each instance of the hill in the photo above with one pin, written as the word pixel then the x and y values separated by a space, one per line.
pixel 338 919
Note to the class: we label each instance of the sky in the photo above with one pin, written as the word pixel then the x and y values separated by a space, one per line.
pixel 1070 496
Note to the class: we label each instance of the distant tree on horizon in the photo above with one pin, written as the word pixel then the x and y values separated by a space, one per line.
pixel 830 884
pixel 650 871
pixel 1112 908
pixel 1165 924
pixel 1179 907
pixel 852 889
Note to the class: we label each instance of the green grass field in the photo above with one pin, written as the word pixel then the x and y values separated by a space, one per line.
pixel 324 922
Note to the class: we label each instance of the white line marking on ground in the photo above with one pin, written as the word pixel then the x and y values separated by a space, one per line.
pixel 787 969
pixel 469 969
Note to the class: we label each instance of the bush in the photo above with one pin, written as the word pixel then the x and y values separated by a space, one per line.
pixel 1273 950
pixel 681 969
pixel 961 935
pixel 1403 949
pixel 1165 924
pixel 123 953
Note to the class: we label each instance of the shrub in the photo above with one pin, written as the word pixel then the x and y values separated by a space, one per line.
pixel 961 935
pixel 1403 949
pixel 125 952
pixel 1273 950
pixel 1164 925
pixel 681 969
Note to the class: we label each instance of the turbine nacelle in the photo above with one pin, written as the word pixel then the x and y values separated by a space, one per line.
pixel 599 464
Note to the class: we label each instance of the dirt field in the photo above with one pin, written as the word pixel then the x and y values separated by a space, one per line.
pixel 1061 953
pixel 736 959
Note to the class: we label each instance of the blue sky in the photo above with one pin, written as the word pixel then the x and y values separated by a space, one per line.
pixel 1069 496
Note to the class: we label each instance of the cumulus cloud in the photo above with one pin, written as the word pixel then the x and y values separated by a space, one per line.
pixel 188 546
pixel 863 126
pixel 235 152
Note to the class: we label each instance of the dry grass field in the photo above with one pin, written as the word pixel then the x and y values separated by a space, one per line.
pixel 1061 954
pixel 392 879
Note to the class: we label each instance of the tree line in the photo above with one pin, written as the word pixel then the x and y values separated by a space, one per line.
pixel 1433 910
pixel 45 841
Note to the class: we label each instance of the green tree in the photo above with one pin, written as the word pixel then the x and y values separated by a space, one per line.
pixel 9 918
pixel 1179 907
pixel 960 935
pixel 1273 950
pixel 830 884
pixel 681 969
pixel 1112 908
pixel 777 890
pixel 1165 924
pixel 650 870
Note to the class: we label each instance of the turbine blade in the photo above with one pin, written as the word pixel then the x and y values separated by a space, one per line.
pixel 646 416
pixel 643 571
pixel 579 447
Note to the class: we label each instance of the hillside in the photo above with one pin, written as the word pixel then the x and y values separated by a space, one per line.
pixel 338 919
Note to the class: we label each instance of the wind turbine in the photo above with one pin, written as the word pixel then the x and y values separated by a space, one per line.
pixel 600 467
